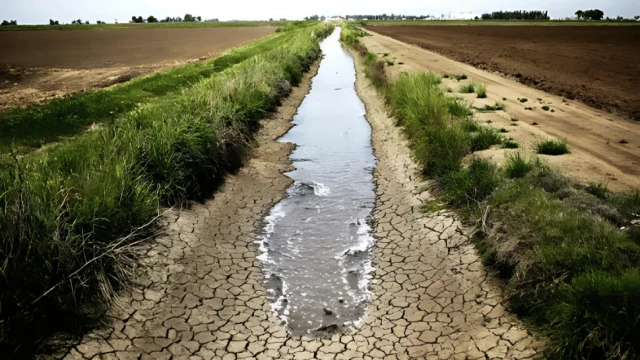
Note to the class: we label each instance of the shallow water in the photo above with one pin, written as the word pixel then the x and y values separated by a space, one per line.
pixel 316 242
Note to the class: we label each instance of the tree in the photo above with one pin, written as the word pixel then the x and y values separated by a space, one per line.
pixel 189 18
pixel 595 14
pixel 579 14
pixel 152 19
pixel 137 20
pixel 53 22
pixel 199 18
pixel 637 17
pixel 86 22
pixel 76 22
pixel 9 23
pixel 100 22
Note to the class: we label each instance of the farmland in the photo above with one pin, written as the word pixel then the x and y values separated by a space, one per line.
pixel 594 64
pixel 40 65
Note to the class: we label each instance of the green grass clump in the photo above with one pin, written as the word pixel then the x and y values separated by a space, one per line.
pixel 510 144
pixel 517 166
pixel 481 91
pixel 487 108
pixel 553 147
pixel 467 88
pixel 460 77
pixel 545 108
pixel 81 198
pixel 485 138
pixel 471 185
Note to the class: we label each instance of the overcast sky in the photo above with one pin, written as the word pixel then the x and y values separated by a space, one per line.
pixel 40 11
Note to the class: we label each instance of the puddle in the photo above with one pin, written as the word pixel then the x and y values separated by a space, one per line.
pixel 316 242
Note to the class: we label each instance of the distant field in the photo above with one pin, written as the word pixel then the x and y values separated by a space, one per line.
pixel 202 24
pixel 505 23
pixel 597 65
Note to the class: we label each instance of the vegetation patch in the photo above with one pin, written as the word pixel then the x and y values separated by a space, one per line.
pixel 487 108
pixel 552 147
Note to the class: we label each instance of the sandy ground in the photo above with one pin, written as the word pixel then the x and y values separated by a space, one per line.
pixel 36 66
pixel 200 294
pixel 594 136
pixel 594 64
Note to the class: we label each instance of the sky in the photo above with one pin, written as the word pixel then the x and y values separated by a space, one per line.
pixel 40 11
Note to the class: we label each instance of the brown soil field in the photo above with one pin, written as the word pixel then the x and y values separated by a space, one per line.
pixel 605 148
pixel 597 65
pixel 38 65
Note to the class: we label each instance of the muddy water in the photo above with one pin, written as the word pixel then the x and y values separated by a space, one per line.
pixel 316 242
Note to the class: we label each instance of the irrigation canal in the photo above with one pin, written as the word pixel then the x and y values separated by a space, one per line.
pixel 316 243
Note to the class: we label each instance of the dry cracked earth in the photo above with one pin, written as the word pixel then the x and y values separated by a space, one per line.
pixel 199 292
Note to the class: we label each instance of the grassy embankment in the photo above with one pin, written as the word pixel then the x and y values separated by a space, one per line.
pixel 69 213
pixel 568 254
pixel 23 129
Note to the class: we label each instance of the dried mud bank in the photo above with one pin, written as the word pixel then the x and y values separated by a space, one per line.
pixel 200 291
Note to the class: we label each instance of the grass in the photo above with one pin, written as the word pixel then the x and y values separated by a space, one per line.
pixel 23 129
pixel 487 108
pixel 81 199
pixel 569 268
pixel 510 144
pixel 479 89
pixel 552 147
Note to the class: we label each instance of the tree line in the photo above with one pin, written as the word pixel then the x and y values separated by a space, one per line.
pixel 387 17
pixel 168 19
pixel 517 15
pixel 9 23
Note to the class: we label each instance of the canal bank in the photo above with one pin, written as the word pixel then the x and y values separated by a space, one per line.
pixel 200 292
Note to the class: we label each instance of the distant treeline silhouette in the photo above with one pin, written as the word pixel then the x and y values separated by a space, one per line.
pixel 516 15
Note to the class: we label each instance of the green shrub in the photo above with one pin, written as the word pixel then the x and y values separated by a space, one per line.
pixel 597 189
pixel 467 88
pixel 552 147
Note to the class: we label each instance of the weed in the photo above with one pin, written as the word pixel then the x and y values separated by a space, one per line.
pixel 534 123
pixel 466 187
pixel 552 147
pixel 460 77
pixel 514 119
pixel 623 141
pixel 487 108
pixel 514 124
pixel 517 166
pixel 503 130
pixel 481 91
pixel 598 190
pixel 432 206
pixel 523 100
pixel 545 108
pixel 510 144
pixel 484 138
pixel 467 89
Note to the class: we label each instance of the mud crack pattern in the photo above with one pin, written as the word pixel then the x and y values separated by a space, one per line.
pixel 200 293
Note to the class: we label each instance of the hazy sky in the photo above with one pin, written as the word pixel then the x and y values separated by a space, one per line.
pixel 40 11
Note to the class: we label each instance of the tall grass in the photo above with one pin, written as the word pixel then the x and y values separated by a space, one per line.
pixel 569 259
pixel 66 212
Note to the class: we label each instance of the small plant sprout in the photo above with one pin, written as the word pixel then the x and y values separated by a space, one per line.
pixel 510 144
pixel 545 108
pixel 481 91
pixel 524 100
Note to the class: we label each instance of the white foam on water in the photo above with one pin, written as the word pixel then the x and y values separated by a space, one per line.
pixel 262 240
pixel 320 189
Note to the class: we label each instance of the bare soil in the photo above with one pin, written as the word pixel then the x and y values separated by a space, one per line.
pixel 605 148
pixel 597 65
pixel 38 65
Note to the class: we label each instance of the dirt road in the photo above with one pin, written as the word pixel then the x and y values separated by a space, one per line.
pixel 200 292
pixel 38 65
pixel 604 147
pixel 595 64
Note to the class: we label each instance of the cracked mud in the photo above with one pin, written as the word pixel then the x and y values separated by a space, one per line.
pixel 199 292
